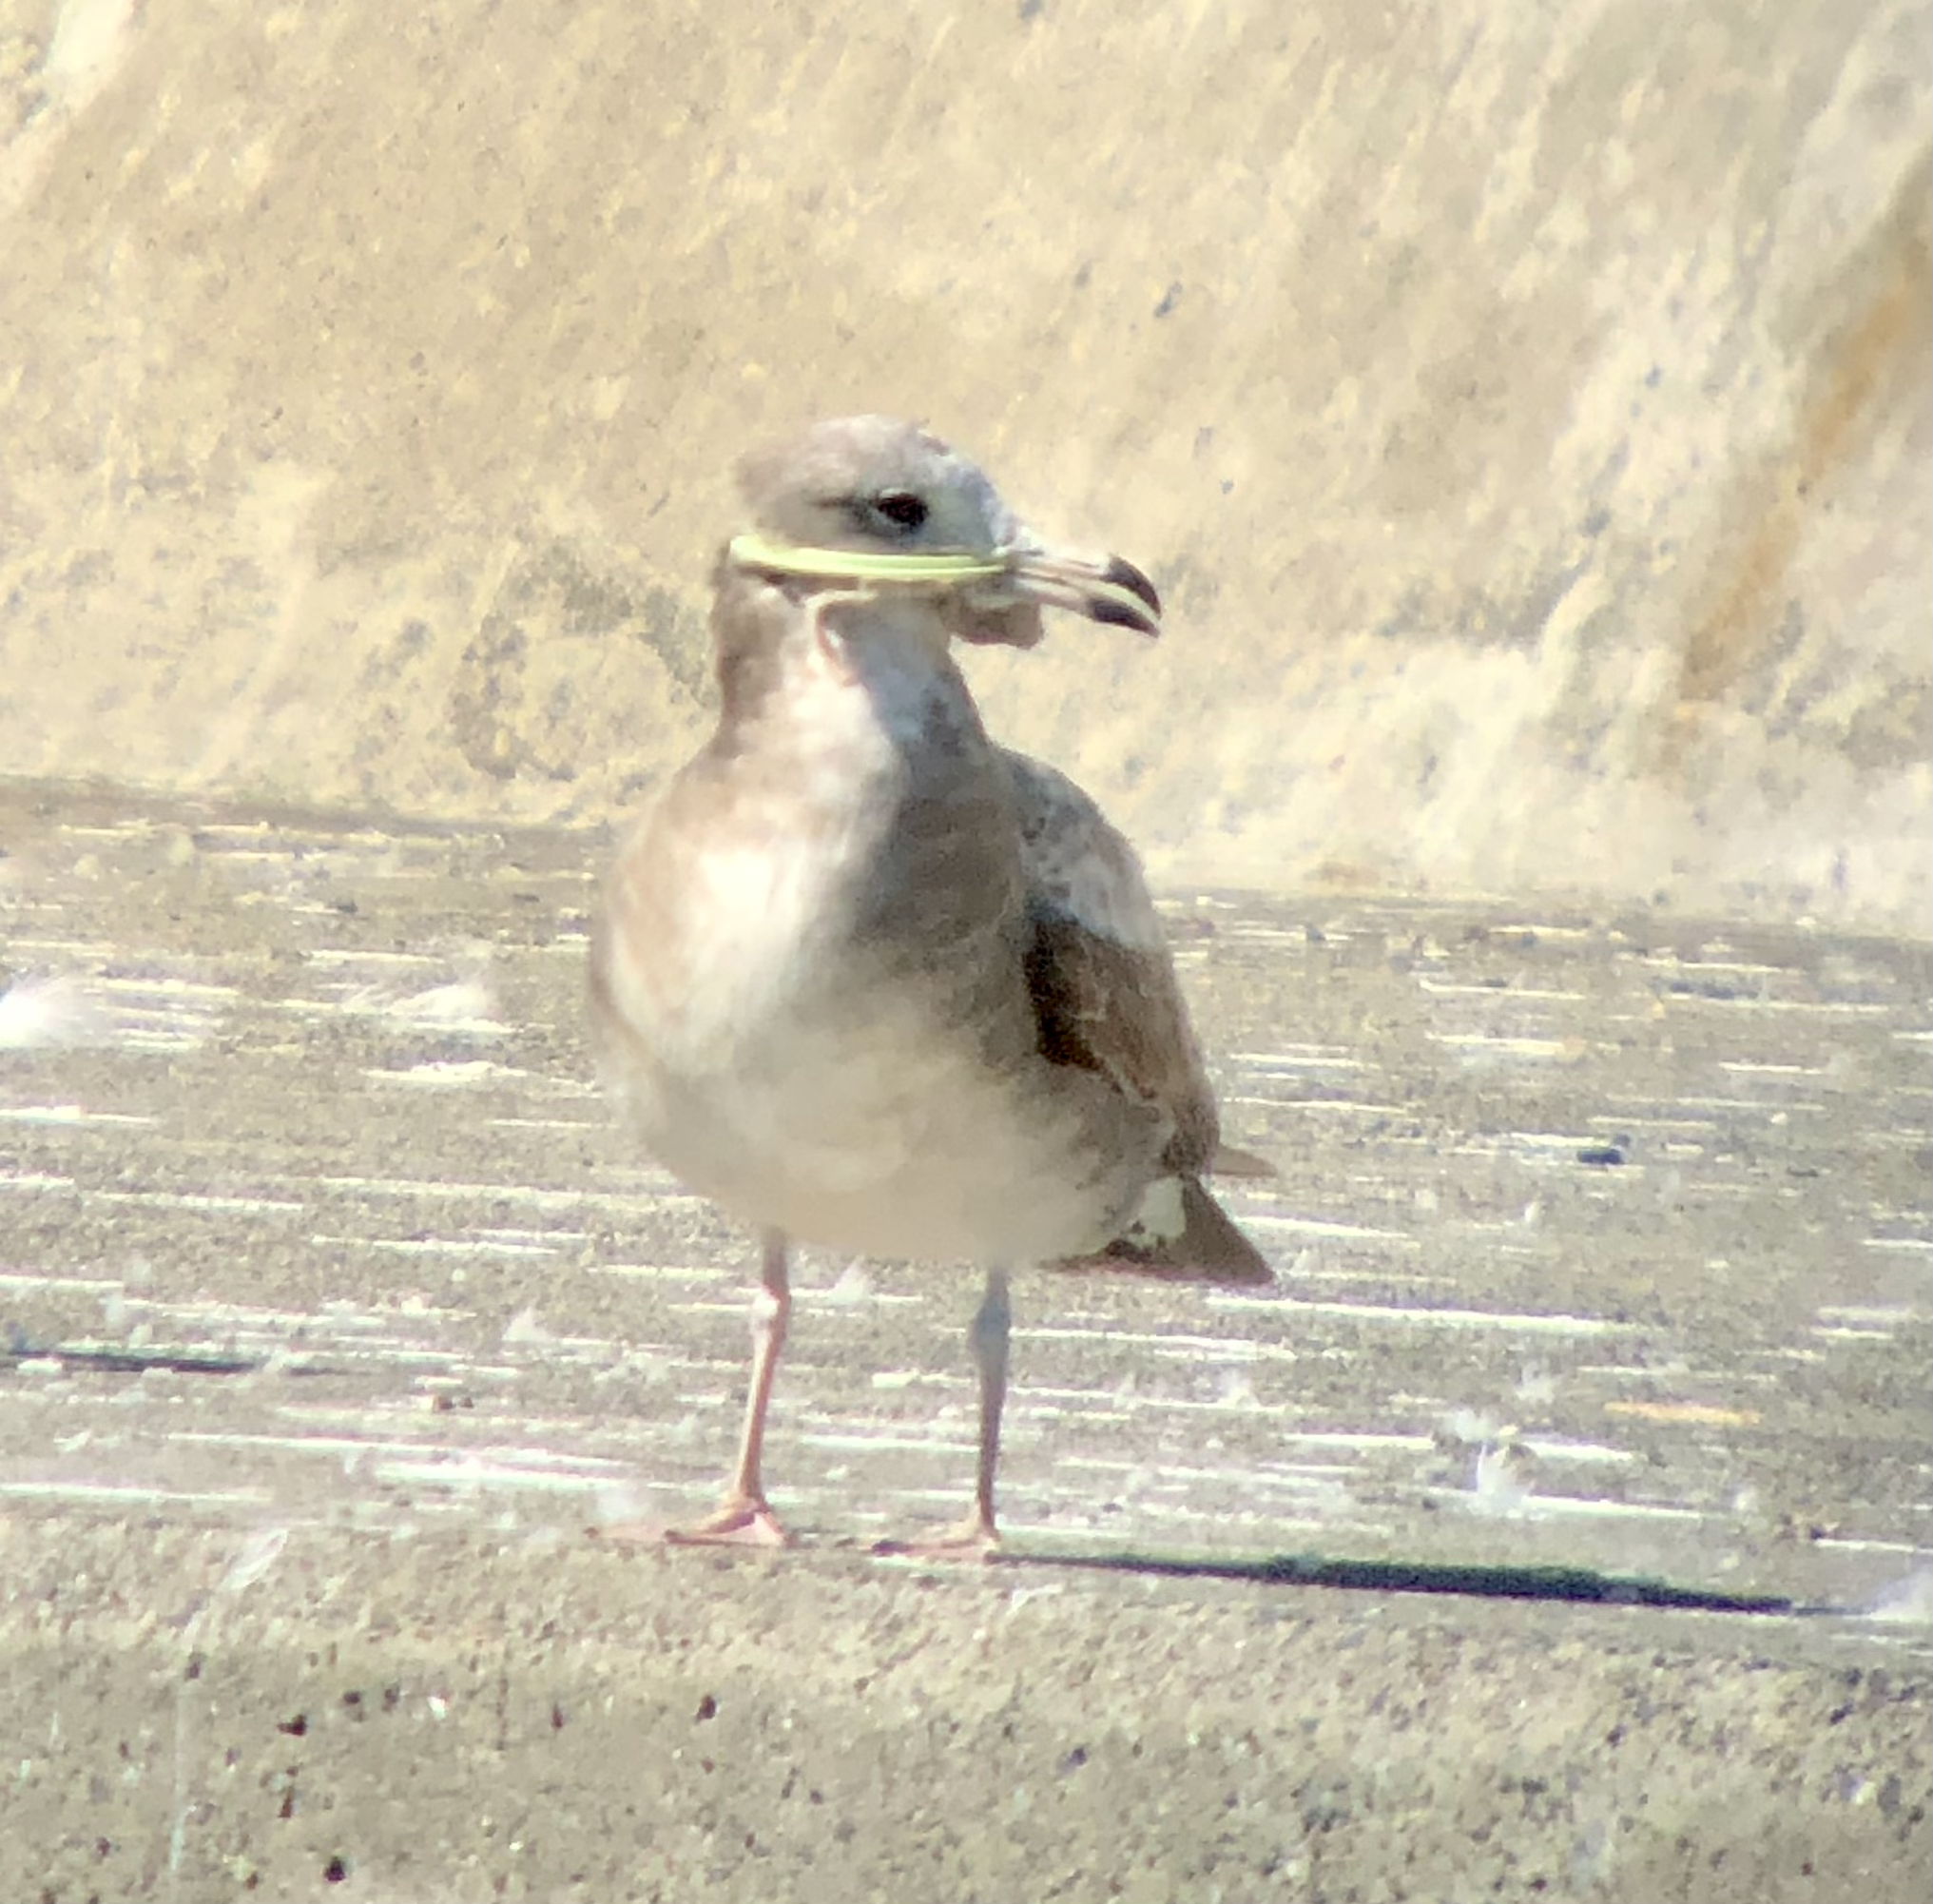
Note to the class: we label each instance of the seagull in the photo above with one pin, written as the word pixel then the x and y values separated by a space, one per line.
pixel 866 979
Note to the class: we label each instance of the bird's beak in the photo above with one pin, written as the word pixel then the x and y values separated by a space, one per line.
pixel 1102 588
pixel 1002 590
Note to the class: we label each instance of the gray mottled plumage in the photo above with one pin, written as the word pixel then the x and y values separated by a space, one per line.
pixel 867 979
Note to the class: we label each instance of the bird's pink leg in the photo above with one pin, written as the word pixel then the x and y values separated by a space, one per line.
pixel 978 1536
pixel 743 1518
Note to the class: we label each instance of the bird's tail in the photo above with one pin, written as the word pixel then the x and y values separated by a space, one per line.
pixel 1181 1232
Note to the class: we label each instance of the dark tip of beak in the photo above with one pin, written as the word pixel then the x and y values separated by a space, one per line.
pixel 1115 615
pixel 1125 575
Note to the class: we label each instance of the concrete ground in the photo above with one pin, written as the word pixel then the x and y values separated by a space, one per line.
pixel 337 1315
pixel 1523 412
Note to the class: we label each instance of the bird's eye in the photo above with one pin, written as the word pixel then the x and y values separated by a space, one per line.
pixel 901 506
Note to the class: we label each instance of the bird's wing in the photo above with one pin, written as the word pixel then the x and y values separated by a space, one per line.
pixel 1105 995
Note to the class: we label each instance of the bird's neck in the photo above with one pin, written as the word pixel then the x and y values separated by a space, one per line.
pixel 848 734
pixel 812 670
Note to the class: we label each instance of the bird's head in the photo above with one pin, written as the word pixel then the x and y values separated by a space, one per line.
pixel 874 502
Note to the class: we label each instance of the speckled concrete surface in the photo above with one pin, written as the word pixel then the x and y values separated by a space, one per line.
pixel 336 1312
pixel 458 1717
pixel 1524 414
pixel 1603 1241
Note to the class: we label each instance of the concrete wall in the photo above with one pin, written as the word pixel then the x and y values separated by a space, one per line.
pixel 1525 411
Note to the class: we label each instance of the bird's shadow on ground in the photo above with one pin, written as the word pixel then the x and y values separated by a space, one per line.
pixel 1581 1585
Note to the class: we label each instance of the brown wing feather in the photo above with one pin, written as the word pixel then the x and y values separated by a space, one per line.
pixel 1105 994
